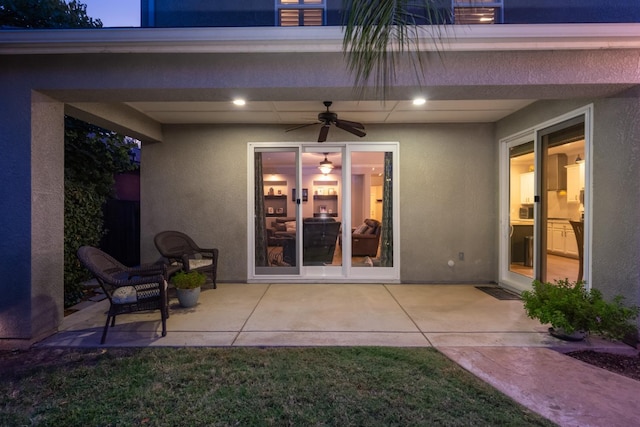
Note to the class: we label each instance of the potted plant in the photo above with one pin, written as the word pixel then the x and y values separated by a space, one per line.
pixel 574 312
pixel 188 286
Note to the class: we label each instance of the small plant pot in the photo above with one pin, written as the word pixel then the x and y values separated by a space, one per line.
pixel 188 297
pixel 561 334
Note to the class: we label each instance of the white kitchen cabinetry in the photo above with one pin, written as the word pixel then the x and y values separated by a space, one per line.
pixel 526 188
pixel 575 181
pixel 561 240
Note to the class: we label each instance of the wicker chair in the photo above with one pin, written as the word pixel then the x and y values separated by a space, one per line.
pixel 129 289
pixel 182 253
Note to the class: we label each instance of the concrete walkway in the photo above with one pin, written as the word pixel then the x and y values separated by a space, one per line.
pixel 490 337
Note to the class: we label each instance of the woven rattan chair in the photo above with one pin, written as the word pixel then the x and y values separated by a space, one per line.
pixel 129 289
pixel 182 253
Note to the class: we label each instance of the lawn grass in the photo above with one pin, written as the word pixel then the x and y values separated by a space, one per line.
pixel 352 386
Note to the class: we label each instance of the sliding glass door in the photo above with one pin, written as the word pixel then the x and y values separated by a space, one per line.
pixel 544 200
pixel 323 212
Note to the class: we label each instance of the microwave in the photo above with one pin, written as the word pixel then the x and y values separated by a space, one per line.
pixel 526 212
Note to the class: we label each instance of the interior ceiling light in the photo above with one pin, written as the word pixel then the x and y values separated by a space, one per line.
pixel 325 166
pixel 239 102
pixel 419 101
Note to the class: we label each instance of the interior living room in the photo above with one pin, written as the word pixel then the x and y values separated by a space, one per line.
pixel 321 196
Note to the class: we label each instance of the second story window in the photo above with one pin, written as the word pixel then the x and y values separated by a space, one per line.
pixel 295 13
pixel 467 12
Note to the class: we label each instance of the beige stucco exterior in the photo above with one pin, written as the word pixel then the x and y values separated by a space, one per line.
pixel 194 177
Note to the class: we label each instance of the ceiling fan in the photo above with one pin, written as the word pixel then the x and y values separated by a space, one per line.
pixel 326 118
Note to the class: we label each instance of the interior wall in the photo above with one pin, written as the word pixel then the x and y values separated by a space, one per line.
pixel 196 181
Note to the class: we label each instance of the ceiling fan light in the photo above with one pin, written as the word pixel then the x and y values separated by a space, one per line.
pixel 325 166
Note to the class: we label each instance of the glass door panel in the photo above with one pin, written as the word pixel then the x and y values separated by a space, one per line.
pixel 322 211
pixel 276 211
pixel 562 213
pixel 368 189
pixel 521 209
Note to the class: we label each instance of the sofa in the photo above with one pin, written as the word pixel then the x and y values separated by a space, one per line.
pixel 281 228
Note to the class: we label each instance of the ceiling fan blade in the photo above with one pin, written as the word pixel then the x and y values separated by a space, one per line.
pixel 350 124
pixel 300 127
pixel 353 130
pixel 324 131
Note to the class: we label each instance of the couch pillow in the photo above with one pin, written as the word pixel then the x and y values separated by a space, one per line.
pixel 362 228
pixel 290 226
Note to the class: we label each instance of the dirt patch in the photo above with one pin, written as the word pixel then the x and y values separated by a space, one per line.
pixel 629 366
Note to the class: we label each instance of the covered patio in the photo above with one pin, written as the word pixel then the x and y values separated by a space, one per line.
pixel 238 314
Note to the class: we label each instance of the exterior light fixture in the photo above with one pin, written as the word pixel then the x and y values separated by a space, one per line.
pixel 325 166
pixel 579 159
pixel 419 101
pixel 239 102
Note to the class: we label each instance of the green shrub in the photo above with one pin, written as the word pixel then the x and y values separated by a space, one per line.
pixel 92 157
pixel 570 307
pixel 190 280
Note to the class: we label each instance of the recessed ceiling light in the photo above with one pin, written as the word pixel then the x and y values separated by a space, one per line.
pixel 419 101
pixel 239 102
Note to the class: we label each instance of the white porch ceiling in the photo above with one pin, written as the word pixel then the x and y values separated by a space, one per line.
pixel 300 112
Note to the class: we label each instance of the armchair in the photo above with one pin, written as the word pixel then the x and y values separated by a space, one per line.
pixel 129 289
pixel 182 253
pixel 366 238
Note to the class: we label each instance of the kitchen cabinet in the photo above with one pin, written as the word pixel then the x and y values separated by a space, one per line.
pixel 526 188
pixel 575 182
pixel 561 240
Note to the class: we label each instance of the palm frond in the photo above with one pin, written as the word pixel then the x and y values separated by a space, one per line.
pixel 381 34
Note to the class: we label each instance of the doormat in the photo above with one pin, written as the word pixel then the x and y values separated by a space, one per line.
pixel 498 293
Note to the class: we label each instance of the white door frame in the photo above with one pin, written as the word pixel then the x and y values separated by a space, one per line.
pixel 505 276
pixel 330 274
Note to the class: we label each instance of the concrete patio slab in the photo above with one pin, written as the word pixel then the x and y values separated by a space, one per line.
pixel 333 308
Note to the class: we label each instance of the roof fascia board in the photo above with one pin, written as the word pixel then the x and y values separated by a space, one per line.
pixel 314 39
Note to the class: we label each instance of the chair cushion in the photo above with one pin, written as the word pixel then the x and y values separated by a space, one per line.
pixel 198 263
pixel 124 295
pixel 132 294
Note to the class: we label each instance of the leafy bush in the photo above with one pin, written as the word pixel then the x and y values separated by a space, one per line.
pixel 190 280
pixel 92 156
pixel 569 306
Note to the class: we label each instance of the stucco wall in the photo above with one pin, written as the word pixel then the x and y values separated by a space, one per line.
pixel 616 195
pixel 196 181
pixel 615 190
